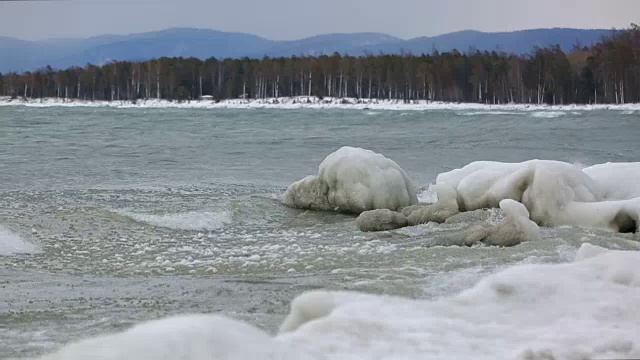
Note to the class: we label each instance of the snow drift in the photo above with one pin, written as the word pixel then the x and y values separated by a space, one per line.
pixel 353 180
pixel 555 193
pixel 584 309
pixel 193 337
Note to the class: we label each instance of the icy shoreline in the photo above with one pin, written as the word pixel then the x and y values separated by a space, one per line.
pixel 304 102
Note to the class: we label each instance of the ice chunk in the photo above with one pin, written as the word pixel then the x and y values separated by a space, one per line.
pixel 353 180
pixel 555 193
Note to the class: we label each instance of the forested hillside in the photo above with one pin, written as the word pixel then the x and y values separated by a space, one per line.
pixel 608 72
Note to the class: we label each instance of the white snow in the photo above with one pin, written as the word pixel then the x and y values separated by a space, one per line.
pixel 312 102
pixel 584 309
pixel 579 310
pixel 555 193
pixel 13 244
pixel 353 180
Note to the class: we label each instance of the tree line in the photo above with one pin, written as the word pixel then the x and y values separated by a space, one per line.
pixel 608 72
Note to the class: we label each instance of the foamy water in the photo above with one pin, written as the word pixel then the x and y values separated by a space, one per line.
pixel 505 315
pixel 142 213
pixel 13 244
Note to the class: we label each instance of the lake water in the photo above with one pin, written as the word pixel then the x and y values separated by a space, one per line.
pixel 109 217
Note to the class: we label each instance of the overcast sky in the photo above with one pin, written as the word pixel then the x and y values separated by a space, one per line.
pixel 293 19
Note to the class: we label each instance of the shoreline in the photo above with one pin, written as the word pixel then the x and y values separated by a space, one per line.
pixel 304 102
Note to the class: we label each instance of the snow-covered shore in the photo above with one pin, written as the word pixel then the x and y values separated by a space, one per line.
pixel 304 102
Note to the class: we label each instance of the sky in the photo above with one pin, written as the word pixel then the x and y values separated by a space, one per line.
pixel 295 19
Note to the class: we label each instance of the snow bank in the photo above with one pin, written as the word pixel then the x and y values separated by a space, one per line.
pixel 584 309
pixel 580 310
pixel 555 193
pixel 312 102
pixel 353 180
pixel 194 337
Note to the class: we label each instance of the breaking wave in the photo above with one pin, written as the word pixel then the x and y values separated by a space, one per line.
pixel 13 244
pixel 547 114
pixel 193 220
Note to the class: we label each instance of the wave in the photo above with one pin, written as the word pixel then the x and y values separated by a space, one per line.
pixel 194 220
pixel 427 196
pixel 547 114
pixel 480 113
pixel 582 309
pixel 13 244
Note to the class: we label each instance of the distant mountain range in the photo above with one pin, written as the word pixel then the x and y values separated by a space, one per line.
pixel 20 55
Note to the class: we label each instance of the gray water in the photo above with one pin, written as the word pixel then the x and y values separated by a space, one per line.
pixel 137 214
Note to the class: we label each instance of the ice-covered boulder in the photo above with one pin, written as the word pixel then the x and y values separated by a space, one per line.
pixel 554 192
pixel 439 212
pixel 309 193
pixel 429 213
pixel 380 220
pixel 353 180
pixel 407 210
pixel 516 228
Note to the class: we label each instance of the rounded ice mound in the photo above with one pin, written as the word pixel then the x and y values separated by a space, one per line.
pixel 353 180
pixel 196 337
pixel 619 181
pixel 380 220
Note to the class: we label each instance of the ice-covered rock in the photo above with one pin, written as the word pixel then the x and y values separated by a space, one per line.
pixel 516 228
pixel 429 213
pixel 353 180
pixel 380 220
pixel 308 193
pixel 475 216
pixel 555 193
pixel 407 210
